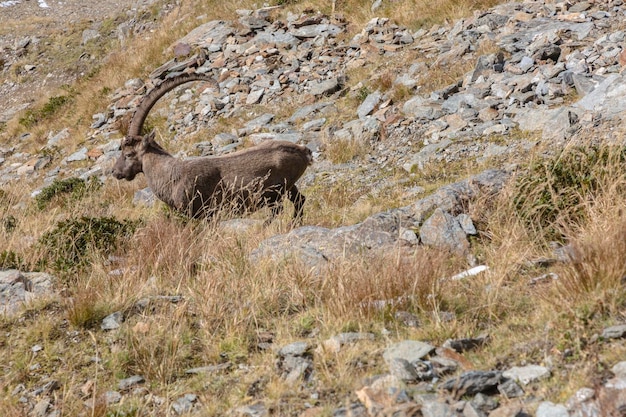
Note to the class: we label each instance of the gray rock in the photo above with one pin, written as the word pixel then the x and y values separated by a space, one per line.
pixel 325 87
pixel 352 410
pixel 144 197
pixel 510 389
pixel 130 382
pixel 213 32
pixel 55 139
pixel 254 410
pixel 295 368
pixel 437 408
pixel 307 111
pixel 112 397
pixel 258 123
pixel 442 230
pixel 79 155
pixel 462 345
pixel 548 409
pixel 89 35
pixel 402 369
pixel 409 350
pixel 184 404
pixel 313 125
pixel 527 374
pixel 443 366
pixel 312 31
pixel 294 349
pixel 335 343
pixel 223 139
pixel 619 369
pixel 425 155
pixel 209 369
pixel 472 382
pixel 257 138
pixel 467 224
pixel 606 98
pixel 41 408
pixel 421 108
pixel 369 104
pixel 255 96
pixel 112 321
pixel 614 332
pixel 17 287
pixel 483 403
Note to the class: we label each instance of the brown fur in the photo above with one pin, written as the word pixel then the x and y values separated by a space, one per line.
pixel 245 180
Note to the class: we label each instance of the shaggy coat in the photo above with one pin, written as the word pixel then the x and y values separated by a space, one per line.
pixel 242 181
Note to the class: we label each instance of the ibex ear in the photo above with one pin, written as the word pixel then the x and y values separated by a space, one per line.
pixel 147 140
pixel 150 136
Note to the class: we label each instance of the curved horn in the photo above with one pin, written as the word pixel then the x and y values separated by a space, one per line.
pixel 142 110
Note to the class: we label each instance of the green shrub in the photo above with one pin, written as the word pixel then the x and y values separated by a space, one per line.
pixel 69 245
pixel 10 260
pixel 34 116
pixel 74 188
pixel 553 191
pixel 9 223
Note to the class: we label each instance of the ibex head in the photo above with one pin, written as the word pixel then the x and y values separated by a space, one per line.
pixel 134 146
pixel 129 163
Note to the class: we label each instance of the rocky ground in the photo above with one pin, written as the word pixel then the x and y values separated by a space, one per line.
pixel 31 31
pixel 555 70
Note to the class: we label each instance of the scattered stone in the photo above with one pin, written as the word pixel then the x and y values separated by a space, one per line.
pixel 126 384
pixel 614 332
pixel 510 389
pixel 444 231
pixel 254 410
pixel 548 409
pixel 325 87
pixel 144 197
pixel 112 321
pixel 472 382
pixel 369 104
pixel 527 374
pixel 210 368
pixel 335 343
pixel 79 155
pixel 402 369
pixel 461 345
pixel 295 362
pixel 184 404
pixel 41 408
pixel 409 350
pixel 112 397
pixel 18 287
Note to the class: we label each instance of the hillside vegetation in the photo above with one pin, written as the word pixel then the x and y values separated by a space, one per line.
pixel 135 290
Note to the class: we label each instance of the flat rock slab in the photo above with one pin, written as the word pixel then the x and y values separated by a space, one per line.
pixel 409 350
pixel 473 382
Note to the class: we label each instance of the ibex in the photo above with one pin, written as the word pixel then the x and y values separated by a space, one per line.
pixel 198 187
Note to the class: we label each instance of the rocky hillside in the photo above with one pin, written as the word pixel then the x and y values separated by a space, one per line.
pixel 519 80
